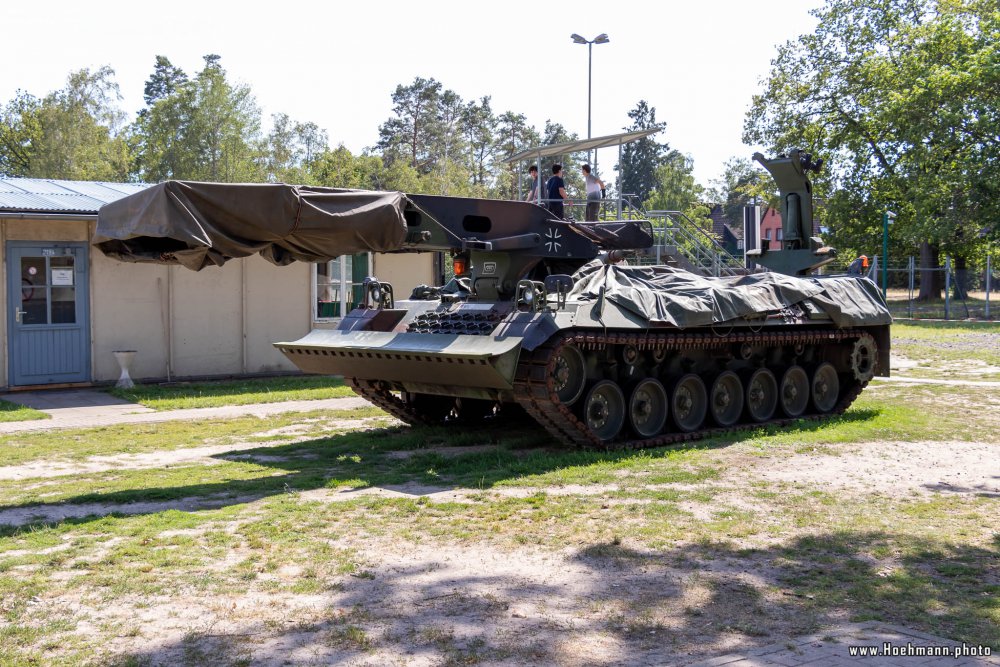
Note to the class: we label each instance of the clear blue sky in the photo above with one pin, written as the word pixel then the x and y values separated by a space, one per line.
pixel 336 63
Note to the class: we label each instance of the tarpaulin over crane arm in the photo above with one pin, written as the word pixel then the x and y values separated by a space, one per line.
pixel 665 295
pixel 204 224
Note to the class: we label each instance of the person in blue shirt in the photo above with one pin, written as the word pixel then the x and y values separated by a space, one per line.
pixel 556 192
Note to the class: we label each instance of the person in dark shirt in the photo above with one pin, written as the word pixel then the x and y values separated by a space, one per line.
pixel 533 173
pixel 556 194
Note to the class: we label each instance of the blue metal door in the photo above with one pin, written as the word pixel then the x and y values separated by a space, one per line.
pixel 48 320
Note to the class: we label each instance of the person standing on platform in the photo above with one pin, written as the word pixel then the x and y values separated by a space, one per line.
pixel 533 172
pixel 595 192
pixel 556 194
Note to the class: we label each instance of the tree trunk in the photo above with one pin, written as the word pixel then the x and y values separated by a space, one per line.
pixel 961 290
pixel 931 282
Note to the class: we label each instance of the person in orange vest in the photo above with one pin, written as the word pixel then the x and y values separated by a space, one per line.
pixel 858 266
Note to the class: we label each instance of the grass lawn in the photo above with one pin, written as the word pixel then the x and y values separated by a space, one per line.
pixel 955 350
pixel 13 412
pixel 179 395
pixel 369 542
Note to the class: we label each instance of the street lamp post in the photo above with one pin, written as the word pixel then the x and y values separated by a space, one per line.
pixel 886 217
pixel 600 39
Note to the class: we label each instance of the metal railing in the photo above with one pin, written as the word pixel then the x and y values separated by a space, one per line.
pixel 676 237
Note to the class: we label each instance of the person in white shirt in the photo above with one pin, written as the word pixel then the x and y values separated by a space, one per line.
pixel 595 192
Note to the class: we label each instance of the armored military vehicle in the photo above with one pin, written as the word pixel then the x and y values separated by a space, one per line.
pixel 544 316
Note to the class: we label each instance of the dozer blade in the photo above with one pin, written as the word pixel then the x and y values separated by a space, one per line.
pixel 414 358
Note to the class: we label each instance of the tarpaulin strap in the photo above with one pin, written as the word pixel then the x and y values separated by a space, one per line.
pixel 298 211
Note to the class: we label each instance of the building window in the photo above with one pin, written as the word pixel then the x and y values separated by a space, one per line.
pixel 780 234
pixel 338 284
pixel 767 234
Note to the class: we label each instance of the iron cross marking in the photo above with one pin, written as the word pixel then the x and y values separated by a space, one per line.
pixel 553 236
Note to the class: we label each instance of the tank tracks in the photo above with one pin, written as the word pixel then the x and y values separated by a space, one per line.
pixel 534 390
pixel 379 395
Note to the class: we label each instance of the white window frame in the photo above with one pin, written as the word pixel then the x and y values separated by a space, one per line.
pixel 345 284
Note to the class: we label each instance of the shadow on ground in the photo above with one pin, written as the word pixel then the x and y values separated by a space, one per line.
pixel 427 459
pixel 619 606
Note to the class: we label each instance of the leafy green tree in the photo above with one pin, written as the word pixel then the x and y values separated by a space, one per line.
pixel 398 176
pixel 482 136
pixel 291 149
pixel 641 159
pixel 676 188
pixel 164 81
pixel 73 133
pixel 20 133
pixel 450 177
pixel 452 148
pixel 339 168
pixel 513 135
pixel 742 184
pixel 207 129
pixel 900 97
pixel 413 133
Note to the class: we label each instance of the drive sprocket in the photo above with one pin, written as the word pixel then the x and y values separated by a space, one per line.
pixel 863 358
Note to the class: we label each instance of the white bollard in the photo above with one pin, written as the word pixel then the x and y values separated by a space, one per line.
pixel 124 359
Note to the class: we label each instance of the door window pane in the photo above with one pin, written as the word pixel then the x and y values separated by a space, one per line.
pixel 61 271
pixel 33 271
pixel 63 305
pixel 34 294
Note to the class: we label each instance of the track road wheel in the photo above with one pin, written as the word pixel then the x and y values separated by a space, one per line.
pixel 761 395
pixel 689 402
pixel 430 407
pixel 604 410
pixel 569 375
pixel 725 400
pixel 825 388
pixel 647 408
pixel 793 391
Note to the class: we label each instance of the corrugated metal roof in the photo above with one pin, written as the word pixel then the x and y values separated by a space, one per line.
pixel 34 195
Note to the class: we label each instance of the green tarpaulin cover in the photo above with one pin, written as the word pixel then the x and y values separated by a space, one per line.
pixel 204 224
pixel 665 295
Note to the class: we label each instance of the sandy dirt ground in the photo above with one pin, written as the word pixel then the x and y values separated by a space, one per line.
pixel 434 604
pixel 429 605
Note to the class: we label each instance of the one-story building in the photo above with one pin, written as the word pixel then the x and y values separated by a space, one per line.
pixel 69 307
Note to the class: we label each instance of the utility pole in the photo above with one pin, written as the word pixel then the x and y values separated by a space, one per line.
pixel 886 217
pixel 600 39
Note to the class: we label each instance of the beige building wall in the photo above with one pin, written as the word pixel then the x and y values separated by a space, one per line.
pixel 218 321
pixel 404 271
pixel 195 321
pixel 207 324
pixel 278 310
pixel 128 311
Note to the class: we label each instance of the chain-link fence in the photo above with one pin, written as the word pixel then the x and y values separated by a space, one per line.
pixel 939 293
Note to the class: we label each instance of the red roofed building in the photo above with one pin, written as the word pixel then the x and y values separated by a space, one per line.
pixel 770 229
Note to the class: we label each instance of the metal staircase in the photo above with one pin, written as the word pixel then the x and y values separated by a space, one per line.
pixel 681 242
